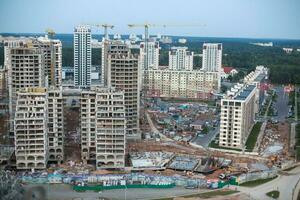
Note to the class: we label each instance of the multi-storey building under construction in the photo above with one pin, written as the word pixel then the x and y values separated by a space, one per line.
pixel 103 127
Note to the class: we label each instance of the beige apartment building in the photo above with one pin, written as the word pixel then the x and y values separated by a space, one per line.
pixel 181 84
pixel 31 129
pixel 103 127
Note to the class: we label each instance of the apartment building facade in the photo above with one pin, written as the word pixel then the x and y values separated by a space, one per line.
pixel 125 75
pixel 103 125
pixel 82 56
pixel 181 59
pixel 55 108
pixel 26 69
pixel 52 50
pixel 181 84
pixel 237 115
pixel 152 57
pixel 31 129
pixel 212 57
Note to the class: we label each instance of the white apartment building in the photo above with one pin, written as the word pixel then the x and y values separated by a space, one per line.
pixel 150 60
pixel 181 59
pixel 258 77
pixel 237 115
pixel 31 130
pixel 181 84
pixel 212 57
pixel 2 83
pixel 82 56
pixel 103 127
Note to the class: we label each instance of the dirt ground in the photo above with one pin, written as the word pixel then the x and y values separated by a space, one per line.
pixel 72 137
pixel 4 129
pixel 276 133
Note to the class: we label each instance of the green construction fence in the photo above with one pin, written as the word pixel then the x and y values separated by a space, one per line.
pixel 112 187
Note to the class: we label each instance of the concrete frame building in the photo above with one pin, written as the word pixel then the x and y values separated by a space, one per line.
pixel 212 57
pixel 181 84
pixel 237 115
pixel 82 56
pixel 153 55
pixel 55 125
pixel 103 125
pixel 121 70
pixel 125 75
pixel 25 69
pixel 31 131
pixel 181 59
pixel 110 47
pixel 52 50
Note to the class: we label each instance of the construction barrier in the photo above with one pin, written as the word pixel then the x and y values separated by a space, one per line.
pixel 113 187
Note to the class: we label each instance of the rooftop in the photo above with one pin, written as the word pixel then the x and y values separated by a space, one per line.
pixel 244 93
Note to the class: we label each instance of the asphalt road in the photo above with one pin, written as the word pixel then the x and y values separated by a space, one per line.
pixel 204 139
pixel 281 104
pixel 284 183
pixel 61 191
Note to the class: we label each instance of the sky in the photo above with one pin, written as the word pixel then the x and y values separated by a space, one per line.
pixel 222 18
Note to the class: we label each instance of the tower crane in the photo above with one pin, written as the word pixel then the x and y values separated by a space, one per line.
pixel 148 25
pixel 106 27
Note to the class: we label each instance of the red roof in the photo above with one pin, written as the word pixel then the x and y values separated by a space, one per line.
pixel 227 70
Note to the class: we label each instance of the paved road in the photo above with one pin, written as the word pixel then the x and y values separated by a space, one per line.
pixel 281 104
pixel 61 191
pixel 154 129
pixel 284 183
pixel 205 139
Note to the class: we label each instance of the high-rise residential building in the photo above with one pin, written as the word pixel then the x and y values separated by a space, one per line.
pixel 237 115
pixel 258 77
pixel 2 83
pixel 110 47
pixel 180 59
pixel 124 75
pixel 55 125
pixel 181 83
pixel 212 57
pixel 52 49
pixel 120 69
pixel 82 56
pixel 31 130
pixel 152 61
pixel 103 127
pixel 25 69
pixel 38 127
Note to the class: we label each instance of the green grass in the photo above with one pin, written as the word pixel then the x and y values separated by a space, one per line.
pixel 257 182
pixel 273 194
pixel 251 140
pixel 206 195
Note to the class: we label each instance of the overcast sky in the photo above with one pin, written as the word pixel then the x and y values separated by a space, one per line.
pixel 223 18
